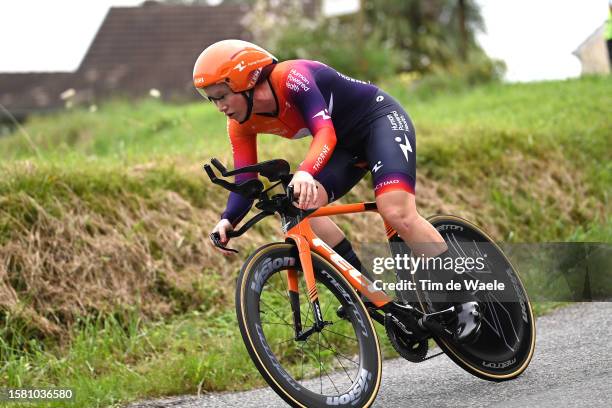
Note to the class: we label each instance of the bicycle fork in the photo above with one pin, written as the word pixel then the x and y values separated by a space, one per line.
pixel 355 278
pixel 313 297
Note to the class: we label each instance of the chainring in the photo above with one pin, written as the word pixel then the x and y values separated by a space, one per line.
pixel 408 347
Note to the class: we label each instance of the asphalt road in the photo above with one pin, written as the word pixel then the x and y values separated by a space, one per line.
pixel 572 367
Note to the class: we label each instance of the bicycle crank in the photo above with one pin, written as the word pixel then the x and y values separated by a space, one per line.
pixel 403 340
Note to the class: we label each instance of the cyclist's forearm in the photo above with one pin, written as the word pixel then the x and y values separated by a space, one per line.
pixel 237 207
pixel 321 149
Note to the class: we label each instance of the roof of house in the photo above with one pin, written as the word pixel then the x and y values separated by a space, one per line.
pixel 155 46
pixel 21 93
pixel 595 35
pixel 136 49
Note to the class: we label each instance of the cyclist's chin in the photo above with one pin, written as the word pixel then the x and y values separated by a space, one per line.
pixel 237 116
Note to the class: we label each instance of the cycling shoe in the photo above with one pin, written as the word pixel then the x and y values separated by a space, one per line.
pixel 469 319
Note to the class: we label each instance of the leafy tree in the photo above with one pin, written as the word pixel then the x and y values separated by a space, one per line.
pixel 432 33
pixel 436 38
pixel 280 26
pixel 207 2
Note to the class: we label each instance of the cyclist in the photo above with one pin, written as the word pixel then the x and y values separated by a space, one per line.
pixel 355 127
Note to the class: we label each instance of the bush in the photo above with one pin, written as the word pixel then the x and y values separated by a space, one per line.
pixel 459 77
pixel 371 60
pixel 332 41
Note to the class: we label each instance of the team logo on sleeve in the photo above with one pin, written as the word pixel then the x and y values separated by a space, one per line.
pixel 321 157
pixel 324 114
pixel 296 81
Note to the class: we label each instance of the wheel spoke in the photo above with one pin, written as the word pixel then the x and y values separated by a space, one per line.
pixel 302 349
pixel 338 334
pixel 273 311
pixel 320 366
pixel 278 323
pixel 329 303
pixel 337 359
pixel 335 349
pixel 340 354
pixel 283 341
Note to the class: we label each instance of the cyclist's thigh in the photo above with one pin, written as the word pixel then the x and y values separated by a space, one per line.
pixel 340 174
pixel 391 151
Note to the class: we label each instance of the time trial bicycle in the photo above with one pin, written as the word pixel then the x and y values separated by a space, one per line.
pixel 306 315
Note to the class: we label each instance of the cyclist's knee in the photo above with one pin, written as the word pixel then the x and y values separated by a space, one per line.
pixel 402 217
pixel 398 208
pixel 322 198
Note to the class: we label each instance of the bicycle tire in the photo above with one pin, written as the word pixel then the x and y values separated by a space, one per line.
pixel 506 343
pixel 259 287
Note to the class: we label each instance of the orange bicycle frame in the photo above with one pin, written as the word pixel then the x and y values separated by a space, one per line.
pixel 306 241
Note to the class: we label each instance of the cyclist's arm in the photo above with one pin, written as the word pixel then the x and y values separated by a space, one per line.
pixel 321 148
pixel 314 110
pixel 244 149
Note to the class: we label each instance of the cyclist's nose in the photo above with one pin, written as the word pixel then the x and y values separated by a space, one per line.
pixel 222 107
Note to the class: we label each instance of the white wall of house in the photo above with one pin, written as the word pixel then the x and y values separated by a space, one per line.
pixel 593 54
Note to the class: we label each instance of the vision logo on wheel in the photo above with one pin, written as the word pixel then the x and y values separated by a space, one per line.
pixel 268 266
pixel 362 385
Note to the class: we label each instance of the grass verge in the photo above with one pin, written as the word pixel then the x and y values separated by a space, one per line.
pixel 107 284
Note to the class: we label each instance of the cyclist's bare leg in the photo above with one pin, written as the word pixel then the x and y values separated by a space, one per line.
pixel 398 208
pixel 324 227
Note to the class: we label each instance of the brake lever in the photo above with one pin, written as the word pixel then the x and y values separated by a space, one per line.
pixel 290 193
pixel 216 240
pixel 292 200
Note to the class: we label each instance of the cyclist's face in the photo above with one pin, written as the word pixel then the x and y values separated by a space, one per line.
pixel 233 105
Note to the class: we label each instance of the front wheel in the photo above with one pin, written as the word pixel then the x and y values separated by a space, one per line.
pixel 339 365
pixel 507 334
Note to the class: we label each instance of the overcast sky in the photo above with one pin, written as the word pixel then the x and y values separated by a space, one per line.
pixel 534 37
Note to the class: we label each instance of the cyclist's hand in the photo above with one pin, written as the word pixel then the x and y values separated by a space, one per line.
pixel 305 189
pixel 223 227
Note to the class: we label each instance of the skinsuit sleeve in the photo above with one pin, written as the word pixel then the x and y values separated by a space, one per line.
pixel 303 91
pixel 244 150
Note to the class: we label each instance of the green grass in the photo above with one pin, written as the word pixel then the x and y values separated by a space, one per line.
pixel 539 119
pixel 110 361
pixel 121 133
pixel 529 162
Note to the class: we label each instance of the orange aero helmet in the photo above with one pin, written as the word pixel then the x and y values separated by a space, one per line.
pixel 234 62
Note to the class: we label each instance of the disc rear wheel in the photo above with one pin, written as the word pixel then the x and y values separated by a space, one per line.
pixel 506 342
